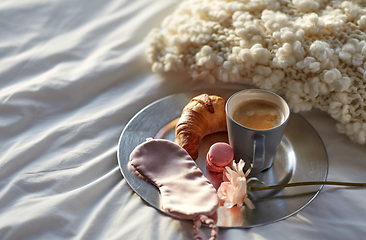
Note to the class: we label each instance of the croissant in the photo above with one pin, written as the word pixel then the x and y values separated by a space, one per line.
pixel 203 115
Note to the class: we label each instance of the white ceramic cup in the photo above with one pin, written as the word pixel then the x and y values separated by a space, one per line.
pixel 256 147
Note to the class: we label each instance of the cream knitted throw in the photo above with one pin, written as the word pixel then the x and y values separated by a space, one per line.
pixel 313 51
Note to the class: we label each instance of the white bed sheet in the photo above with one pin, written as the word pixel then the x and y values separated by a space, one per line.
pixel 72 74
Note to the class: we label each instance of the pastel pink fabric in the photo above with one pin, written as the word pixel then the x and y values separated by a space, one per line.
pixel 185 192
pixel 219 156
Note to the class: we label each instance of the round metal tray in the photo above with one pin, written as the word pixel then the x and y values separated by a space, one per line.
pixel 301 157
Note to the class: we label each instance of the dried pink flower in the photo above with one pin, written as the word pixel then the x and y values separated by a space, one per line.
pixel 233 191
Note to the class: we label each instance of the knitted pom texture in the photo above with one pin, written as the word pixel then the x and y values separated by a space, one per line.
pixel 311 51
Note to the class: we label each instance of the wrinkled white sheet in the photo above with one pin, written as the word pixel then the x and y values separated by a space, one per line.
pixel 72 74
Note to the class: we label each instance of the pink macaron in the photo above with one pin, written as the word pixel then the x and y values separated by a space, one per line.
pixel 219 156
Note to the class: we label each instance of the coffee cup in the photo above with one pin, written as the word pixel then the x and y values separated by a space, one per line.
pixel 256 121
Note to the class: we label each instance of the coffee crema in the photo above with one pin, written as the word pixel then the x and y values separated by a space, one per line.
pixel 258 114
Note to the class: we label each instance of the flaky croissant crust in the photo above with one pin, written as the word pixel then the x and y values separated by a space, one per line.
pixel 203 115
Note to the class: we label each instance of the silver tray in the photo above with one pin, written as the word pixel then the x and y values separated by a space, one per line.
pixel 300 157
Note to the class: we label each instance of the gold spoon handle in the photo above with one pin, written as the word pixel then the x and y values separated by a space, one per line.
pixel 349 184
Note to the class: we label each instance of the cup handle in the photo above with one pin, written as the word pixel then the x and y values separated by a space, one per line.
pixel 258 153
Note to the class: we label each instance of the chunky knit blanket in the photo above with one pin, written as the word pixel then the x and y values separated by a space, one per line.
pixel 312 51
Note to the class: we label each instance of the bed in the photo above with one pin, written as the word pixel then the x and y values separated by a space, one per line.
pixel 72 75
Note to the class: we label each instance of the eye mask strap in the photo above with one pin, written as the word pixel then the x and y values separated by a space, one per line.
pixel 205 220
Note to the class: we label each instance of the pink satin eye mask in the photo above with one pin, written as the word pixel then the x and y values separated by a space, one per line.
pixel 185 192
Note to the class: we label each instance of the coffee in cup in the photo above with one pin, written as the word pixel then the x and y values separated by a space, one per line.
pixel 256 121
pixel 258 114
